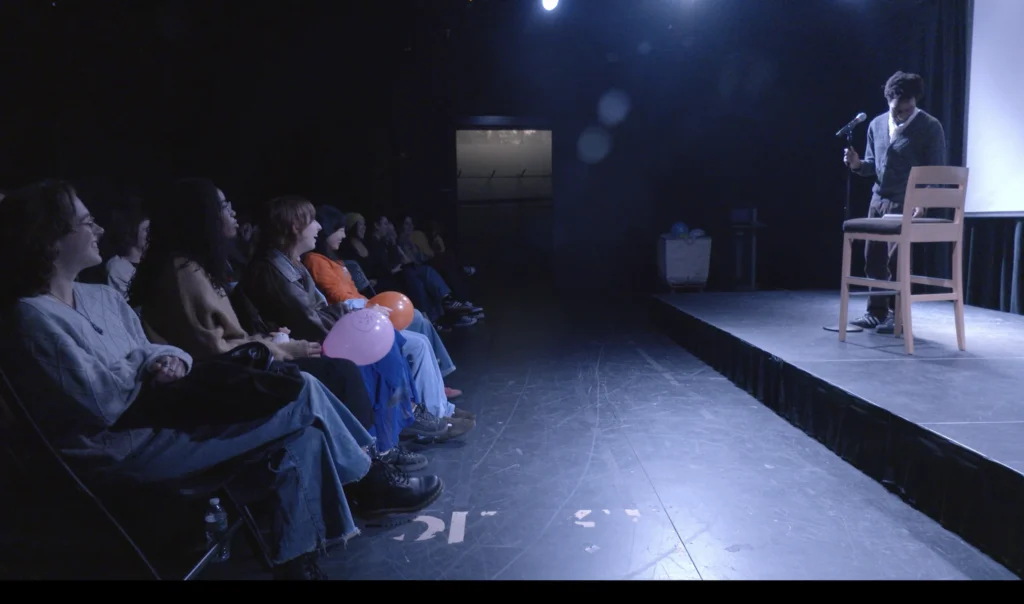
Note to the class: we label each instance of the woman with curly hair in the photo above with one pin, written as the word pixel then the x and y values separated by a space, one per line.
pixel 77 354
pixel 180 288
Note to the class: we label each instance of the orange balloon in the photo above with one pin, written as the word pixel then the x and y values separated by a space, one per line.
pixel 401 308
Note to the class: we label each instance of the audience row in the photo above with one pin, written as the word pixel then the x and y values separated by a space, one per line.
pixel 200 353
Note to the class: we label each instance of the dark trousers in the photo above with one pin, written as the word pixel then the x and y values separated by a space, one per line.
pixel 880 258
pixel 343 378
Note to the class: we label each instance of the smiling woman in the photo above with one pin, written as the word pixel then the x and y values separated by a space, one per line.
pixel 48 236
pixel 78 353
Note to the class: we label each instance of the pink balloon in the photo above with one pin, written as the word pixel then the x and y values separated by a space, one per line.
pixel 363 337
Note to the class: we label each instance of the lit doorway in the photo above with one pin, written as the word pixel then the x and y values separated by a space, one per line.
pixel 504 197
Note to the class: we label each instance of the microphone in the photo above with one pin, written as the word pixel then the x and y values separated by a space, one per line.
pixel 853 124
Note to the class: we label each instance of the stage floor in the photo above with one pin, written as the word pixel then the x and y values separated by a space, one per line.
pixel 973 398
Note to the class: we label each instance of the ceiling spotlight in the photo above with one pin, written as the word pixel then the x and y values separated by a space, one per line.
pixel 549 4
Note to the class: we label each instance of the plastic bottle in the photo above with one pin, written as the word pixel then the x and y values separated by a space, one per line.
pixel 216 520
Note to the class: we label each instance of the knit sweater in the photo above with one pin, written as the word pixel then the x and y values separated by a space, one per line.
pixel 79 369
pixel 921 143
pixel 189 312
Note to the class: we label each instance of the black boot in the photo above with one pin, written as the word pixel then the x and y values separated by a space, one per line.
pixel 386 490
pixel 303 568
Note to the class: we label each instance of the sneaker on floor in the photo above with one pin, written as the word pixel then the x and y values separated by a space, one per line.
pixel 888 326
pixel 442 328
pixel 451 393
pixel 473 308
pixel 457 426
pixel 303 568
pixel 425 425
pixel 868 321
pixel 465 321
pixel 386 490
pixel 404 459
pixel 456 307
pixel 463 414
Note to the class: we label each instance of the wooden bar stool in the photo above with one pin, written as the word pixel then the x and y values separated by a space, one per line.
pixel 928 187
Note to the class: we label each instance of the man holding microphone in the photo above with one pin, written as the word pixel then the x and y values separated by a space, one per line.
pixel 902 138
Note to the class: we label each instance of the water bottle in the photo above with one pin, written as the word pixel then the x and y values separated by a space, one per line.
pixel 216 529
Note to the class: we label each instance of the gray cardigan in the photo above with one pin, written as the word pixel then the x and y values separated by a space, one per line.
pixel 80 369
pixel 922 143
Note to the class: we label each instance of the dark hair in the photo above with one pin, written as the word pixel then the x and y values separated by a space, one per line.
pixel 280 217
pixel 904 86
pixel 331 219
pixel 32 221
pixel 374 220
pixel 124 226
pixel 185 222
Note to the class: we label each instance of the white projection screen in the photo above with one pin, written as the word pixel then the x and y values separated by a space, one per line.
pixel 995 114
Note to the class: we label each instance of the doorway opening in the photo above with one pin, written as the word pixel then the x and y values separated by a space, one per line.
pixel 505 199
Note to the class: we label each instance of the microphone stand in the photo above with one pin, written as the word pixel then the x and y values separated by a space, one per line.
pixel 846 216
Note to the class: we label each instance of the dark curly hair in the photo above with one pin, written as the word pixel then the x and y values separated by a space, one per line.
pixel 904 87
pixel 185 222
pixel 32 220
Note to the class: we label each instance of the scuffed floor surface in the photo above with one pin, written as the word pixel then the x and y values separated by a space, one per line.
pixel 605 451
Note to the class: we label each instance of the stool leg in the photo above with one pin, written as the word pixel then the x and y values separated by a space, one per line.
pixel 958 289
pixel 903 267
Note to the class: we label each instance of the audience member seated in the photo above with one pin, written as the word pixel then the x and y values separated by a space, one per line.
pixel 384 275
pixel 78 356
pixel 435 236
pixel 129 232
pixel 416 246
pixel 335 282
pixel 385 235
pixel 385 263
pixel 183 301
pixel 283 292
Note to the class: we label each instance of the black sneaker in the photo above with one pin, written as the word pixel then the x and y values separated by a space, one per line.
pixel 303 568
pixel 888 326
pixel 456 307
pixel 457 427
pixel 425 425
pixel 463 414
pixel 868 321
pixel 404 459
pixel 386 490
pixel 465 321
pixel 477 311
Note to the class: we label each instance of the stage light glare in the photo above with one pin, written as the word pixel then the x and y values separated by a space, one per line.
pixel 549 4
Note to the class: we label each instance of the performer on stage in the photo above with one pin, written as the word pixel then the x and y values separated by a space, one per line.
pixel 900 139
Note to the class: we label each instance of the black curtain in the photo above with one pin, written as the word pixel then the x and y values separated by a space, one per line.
pixel 938 50
pixel 993 266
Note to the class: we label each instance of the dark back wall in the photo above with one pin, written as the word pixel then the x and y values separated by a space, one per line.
pixel 733 104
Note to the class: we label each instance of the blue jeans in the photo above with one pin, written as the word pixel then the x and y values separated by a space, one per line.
pixel 422 326
pixel 393 391
pixel 321 450
pixel 432 281
pixel 426 374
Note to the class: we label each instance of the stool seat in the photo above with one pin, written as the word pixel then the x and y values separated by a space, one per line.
pixel 885 226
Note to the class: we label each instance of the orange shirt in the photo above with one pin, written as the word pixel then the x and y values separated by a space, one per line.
pixel 331 278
